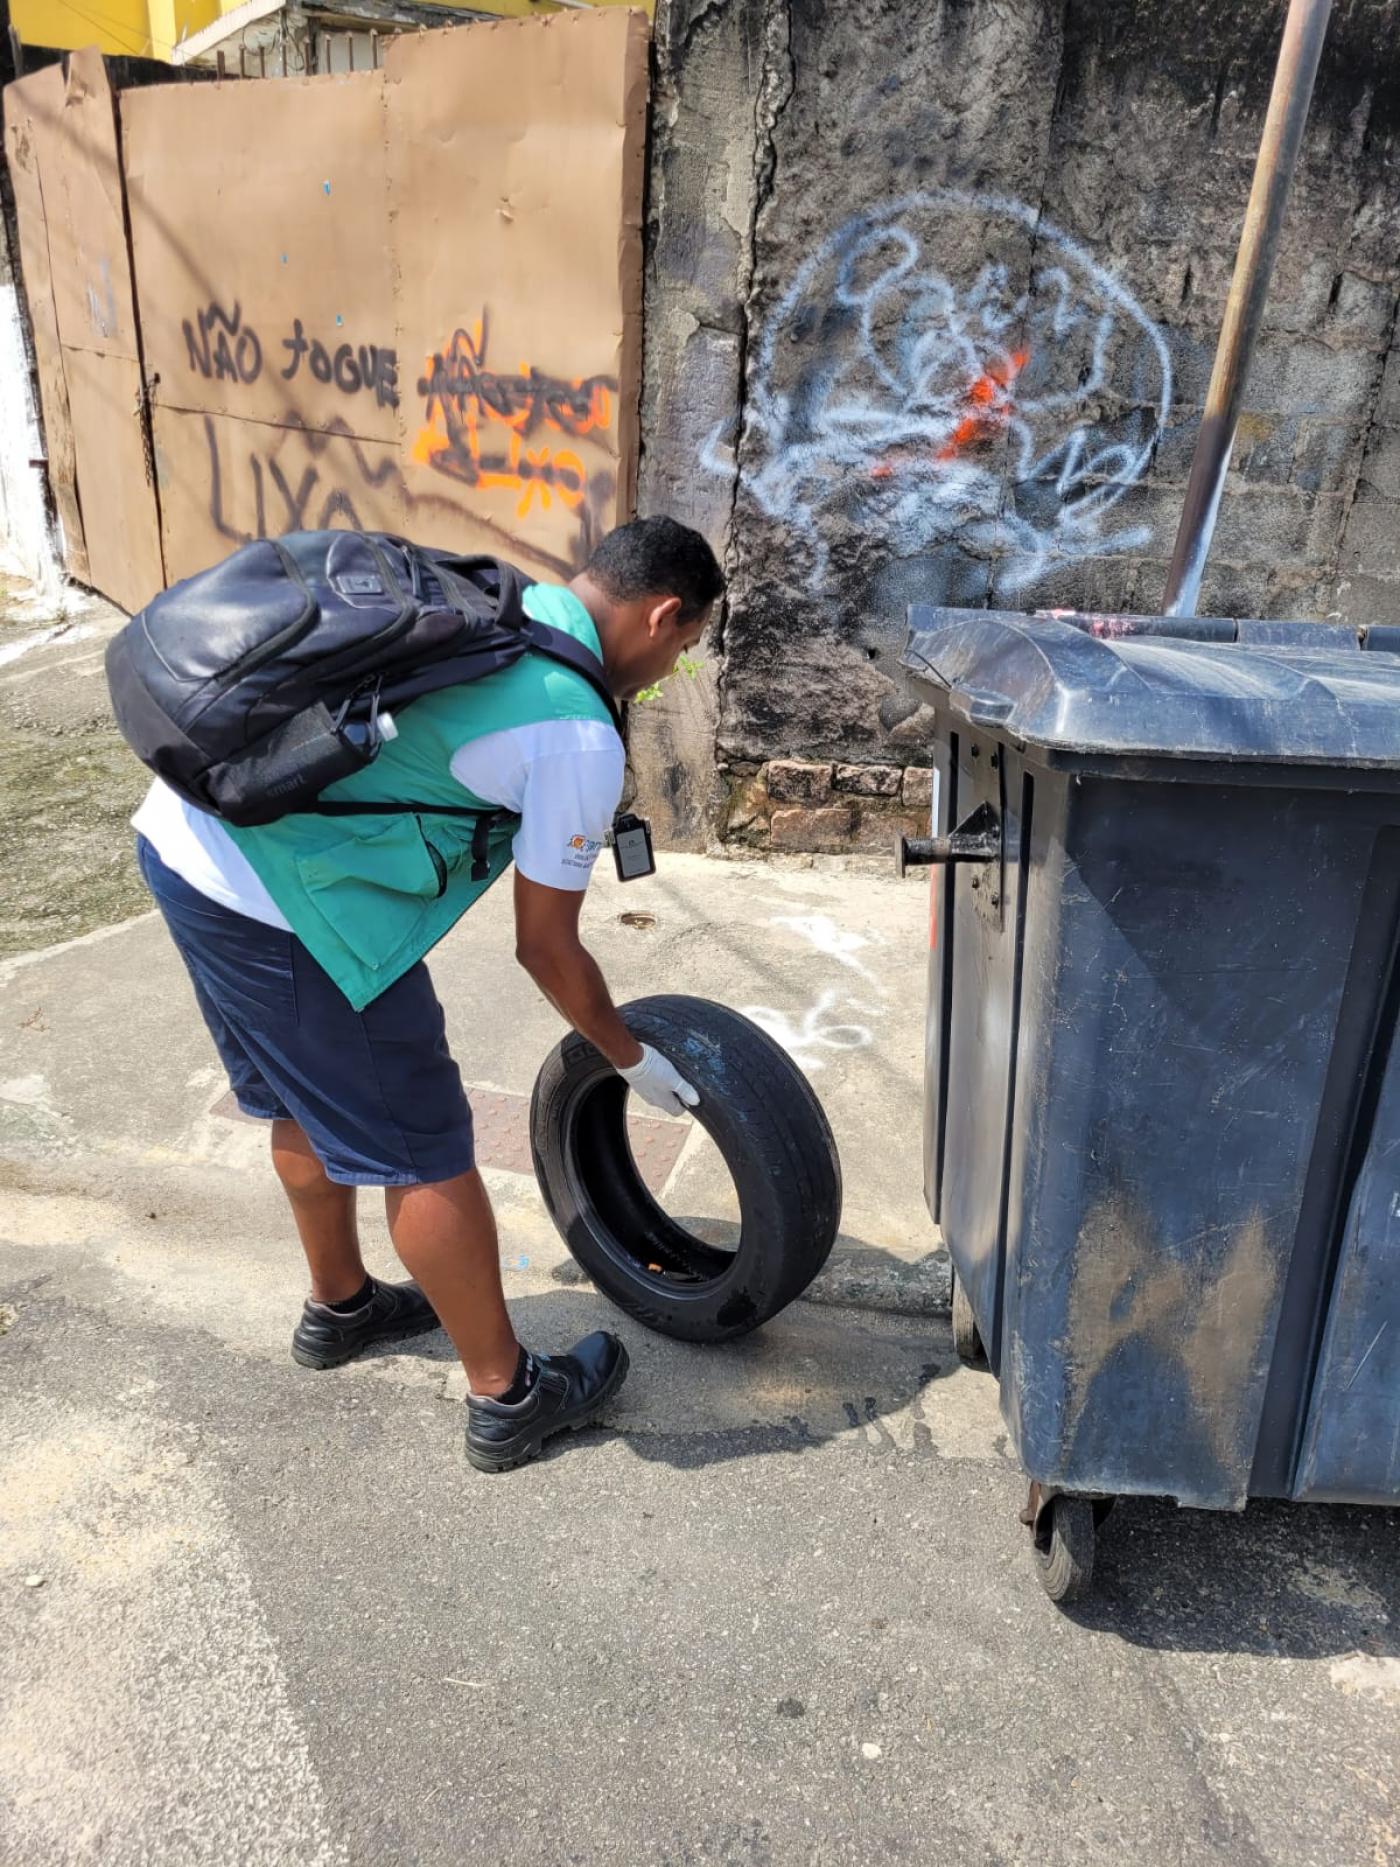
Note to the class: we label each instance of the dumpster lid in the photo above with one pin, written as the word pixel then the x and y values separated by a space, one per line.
pixel 1152 685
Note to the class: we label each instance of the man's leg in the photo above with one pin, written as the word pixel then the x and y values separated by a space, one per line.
pixel 445 1233
pixel 324 1214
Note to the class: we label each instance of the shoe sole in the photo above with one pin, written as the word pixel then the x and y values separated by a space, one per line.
pixel 485 1462
pixel 321 1359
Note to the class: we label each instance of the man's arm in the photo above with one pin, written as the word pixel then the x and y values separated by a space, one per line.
pixel 547 945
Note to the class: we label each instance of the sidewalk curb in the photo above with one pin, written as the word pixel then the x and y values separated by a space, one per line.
pixel 898 1289
pixel 921 1288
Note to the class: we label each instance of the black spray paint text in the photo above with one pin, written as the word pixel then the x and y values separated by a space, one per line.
pixel 221 347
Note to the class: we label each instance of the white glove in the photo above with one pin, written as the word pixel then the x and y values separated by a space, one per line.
pixel 658 1082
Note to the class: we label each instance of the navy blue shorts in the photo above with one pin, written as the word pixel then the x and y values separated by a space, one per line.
pixel 376 1091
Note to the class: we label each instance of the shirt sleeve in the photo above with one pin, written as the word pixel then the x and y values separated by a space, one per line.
pixel 566 812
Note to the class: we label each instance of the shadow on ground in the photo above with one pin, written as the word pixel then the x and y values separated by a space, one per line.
pixel 1285 1581
pixel 796 1385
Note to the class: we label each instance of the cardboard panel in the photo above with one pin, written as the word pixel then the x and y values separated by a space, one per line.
pixel 223 482
pixel 119 508
pixel 79 288
pixel 515 166
pixel 260 225
pixel 83 206
pixel 43 92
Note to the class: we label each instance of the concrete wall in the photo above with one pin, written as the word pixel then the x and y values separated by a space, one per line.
pixel 933 294
pixel 27 543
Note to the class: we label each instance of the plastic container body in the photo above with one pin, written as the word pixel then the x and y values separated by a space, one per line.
pixel 1162 1113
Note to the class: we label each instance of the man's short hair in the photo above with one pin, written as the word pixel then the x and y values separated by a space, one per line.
pixel 658 557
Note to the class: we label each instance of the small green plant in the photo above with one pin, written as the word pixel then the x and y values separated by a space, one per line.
pixel 685 664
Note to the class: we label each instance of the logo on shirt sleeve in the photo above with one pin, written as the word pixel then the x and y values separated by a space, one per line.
pixel 581 852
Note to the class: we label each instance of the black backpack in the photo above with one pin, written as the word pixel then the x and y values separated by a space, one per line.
pixel 252 686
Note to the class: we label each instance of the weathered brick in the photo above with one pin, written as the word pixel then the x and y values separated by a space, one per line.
pixel 1362 308
pixel 791 781
pixel 1329 512
pixel 879 826
pixel 1369 599
pixel 1388 405
pixel 825 827
pixel 1381 467
pixel 869 780
pixel 1310 378
pixel 1371 547
pixel 1325 457
pixel 918 788
pixel 749 805
pixel 1104 585
pixel 1264 446
pixel 1261 525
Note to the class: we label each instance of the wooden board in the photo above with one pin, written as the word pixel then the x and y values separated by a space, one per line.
pixel 44 91
pixel 104 395
pixel 87 222
pixel 91 392
pixel 224 481
pixel 260 224
pixel 518 252
pixel 419 289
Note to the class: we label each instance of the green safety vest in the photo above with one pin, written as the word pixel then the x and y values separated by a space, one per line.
pixel 369 896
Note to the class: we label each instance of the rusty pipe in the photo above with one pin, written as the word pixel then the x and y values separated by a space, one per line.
pixel 1301 47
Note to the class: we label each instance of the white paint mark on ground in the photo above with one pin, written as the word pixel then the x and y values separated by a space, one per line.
pixel 818 1030
pixel 1367 1675
pixel 68 631
pixel 831 939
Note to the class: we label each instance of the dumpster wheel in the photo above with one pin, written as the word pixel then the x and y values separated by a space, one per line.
pixel 1064 1534
pixel 759 1110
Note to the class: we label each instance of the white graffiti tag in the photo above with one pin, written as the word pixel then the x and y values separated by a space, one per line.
pixel 817 1031
pixel 836 942
pixel 1009 413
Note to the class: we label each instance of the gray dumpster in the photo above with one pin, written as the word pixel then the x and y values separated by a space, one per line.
pixel 1162 1101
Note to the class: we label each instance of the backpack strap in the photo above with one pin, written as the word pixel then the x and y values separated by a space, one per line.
pixel 571 653
pixel 544 640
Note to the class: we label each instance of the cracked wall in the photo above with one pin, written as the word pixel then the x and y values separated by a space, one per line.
pixel 932 298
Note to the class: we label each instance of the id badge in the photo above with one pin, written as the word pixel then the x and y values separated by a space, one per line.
pixel 632 850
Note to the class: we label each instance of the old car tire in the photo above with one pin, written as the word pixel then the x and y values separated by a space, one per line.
pixel 759 1110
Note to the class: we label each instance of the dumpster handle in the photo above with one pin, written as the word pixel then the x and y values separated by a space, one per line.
pixel 976 840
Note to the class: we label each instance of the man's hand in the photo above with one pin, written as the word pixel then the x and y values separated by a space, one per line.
pixel 658 1082
pixel 548 947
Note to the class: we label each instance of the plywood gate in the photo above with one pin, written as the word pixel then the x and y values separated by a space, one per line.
pixel 61 141
pixel 406 299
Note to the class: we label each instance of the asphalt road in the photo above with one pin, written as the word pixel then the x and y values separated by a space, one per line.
pixel 779 1610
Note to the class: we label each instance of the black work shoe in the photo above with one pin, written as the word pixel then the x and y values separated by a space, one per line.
pixel 570 1391
pixel 326 1337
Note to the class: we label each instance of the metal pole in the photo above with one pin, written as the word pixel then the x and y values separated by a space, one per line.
pixel 1303 33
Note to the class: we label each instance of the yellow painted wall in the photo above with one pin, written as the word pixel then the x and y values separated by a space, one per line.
pixel 149 28
pixel 120 28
